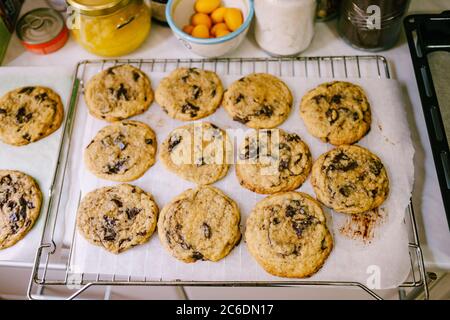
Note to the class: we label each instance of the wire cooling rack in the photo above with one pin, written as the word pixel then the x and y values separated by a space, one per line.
pixel 52 261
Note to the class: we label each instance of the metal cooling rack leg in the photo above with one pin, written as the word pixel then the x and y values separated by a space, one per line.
pixel 108 293
pixel 421 263
pixel 422 292
pixel 80 291
pixel 182 292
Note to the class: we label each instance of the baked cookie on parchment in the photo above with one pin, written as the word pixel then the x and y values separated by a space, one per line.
pixel 288 236
pixel 272 161
pixel 29 114
pixel 118 93
pixel 337 112
pixel 259 101
pixel 200 224
pixel 350 179
pixel 20 206
pixel 117 218
pixel 198 152
pixel 189 94
pixel 122 151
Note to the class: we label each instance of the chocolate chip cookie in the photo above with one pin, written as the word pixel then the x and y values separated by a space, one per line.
pixel 117 218
pixel 118 93
pixel 29 114
pixel 350 179
pixel 336 112
pixel 20 206
pixel 259 101
pixel 190 94
pixel 200 224
pixel 122 152
pixel 288 236
pixel 272 161
pixel 199 152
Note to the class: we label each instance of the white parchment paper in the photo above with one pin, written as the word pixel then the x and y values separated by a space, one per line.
pixel 37 159
pixel 383 263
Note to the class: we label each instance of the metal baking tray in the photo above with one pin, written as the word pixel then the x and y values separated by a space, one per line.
pixel 429 42
pixel 52 263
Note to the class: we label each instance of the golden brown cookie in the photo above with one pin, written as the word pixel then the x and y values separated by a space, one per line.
pixel 259 101
pixel 288 236
pixel 117 218
pixel 29 114
pixel 118 93
pixel 20 206
pixel 336 112
pixel 200 224
pixel 272 161
pixel 350 179
pixel 198 152
pixel 122 151
pixel 189 94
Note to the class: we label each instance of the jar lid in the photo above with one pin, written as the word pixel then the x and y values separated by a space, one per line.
pixel 97 7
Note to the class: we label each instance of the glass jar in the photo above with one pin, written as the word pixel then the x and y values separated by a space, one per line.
pixel 109 28
pixel 372 25
pixel 327 9
pixel 159 10
pixel 284 27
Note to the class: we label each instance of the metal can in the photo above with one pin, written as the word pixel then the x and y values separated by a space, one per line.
pixel 42 31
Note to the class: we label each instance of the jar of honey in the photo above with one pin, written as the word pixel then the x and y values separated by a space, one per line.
pixel 109 28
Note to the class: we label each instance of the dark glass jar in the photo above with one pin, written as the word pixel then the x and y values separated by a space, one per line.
pixel 327 9
pixel 372 25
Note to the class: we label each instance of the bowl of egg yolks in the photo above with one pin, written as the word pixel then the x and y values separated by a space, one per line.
pixel 210 28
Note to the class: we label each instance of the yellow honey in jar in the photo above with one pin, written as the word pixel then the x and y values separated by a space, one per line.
pixel 110 28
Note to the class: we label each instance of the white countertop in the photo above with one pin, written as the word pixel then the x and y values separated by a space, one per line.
pixel 434 232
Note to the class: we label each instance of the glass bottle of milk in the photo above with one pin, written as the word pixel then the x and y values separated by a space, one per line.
pixel 284 27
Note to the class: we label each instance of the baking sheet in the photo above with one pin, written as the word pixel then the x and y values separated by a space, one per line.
pixel 440 69
pixel 37 159
pixel 383 262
